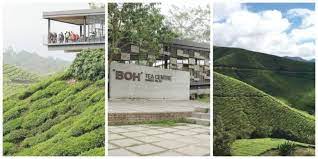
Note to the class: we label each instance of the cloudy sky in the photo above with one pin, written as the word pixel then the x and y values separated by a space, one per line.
pixel 24 28
pixel 283 29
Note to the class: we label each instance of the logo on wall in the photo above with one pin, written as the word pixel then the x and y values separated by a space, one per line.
pixel 136 76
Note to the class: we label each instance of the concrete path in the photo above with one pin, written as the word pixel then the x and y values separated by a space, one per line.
pixel 146 106
pixel 149 140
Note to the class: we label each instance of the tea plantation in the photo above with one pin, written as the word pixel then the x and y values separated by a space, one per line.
pixel 292 82
pixel 245 112
pixel 16 79
pixel 59 116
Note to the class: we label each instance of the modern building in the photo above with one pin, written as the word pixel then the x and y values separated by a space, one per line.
pixel 179 55
pixel 89 35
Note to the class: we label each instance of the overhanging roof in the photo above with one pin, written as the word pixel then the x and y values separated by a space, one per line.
pixel 191 45
pixel 73 16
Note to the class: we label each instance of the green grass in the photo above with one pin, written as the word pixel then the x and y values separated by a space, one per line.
pixel 293 82
pixel 246 110
pixel 256 147
pixel 204 99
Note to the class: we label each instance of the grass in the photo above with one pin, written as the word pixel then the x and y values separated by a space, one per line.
pixel 256 147
pixel 16 79
pixel 204 98
pixel 290 81
pixel 246 110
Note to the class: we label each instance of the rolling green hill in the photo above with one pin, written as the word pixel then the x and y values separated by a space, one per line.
pixel 16 79
pixel 247 112
pixel 63 115
pixel 292 82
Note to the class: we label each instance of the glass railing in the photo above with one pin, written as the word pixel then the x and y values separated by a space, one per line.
pixel 72 41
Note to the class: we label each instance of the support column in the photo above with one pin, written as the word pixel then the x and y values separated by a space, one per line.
pixel 85 28
pixel 81 30
pixel 49 25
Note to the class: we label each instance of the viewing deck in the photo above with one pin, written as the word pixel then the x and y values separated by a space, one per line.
pixel 89 35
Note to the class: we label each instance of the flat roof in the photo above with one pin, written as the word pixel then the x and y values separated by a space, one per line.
pixel 73 16
pixel 191 44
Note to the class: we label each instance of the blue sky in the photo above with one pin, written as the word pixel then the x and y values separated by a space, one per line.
pixel 282 29
pixel 283 7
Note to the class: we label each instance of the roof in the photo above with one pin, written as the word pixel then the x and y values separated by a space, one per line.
pixel 73 16
pixel 190 44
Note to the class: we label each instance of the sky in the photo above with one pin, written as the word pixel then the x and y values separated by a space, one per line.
pixel 24 28
pixel 282 29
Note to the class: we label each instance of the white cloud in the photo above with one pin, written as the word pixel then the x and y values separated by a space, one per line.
pixel 221 10
pixel 307 15
pixel 265 31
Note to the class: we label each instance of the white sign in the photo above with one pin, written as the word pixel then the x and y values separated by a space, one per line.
pixel 143 82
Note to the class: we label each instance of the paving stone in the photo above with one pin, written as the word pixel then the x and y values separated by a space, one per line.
pixel 189 140
pixel 170 144
pixel 169 153
pixel 120 152
pixel 183 127
pixel 146 149
pixel 137 128
pixel 125 142
pixel 185 132
pixel 118 130
pixel 113 136
pixel 168 129
pixel 111 146
pixel 198 130
pixel 168 136
pixel 148 139
pixel 133 134
pixel 193 150
pixel 202 137
pixel 152 132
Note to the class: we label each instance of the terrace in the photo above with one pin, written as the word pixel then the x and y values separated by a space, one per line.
pixel 86 30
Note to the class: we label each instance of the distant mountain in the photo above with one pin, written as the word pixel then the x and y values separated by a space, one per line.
pixel 312 60
pixel 299 59
pixel 32 62
pixel 295 58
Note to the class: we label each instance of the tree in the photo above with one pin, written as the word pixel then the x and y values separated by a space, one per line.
pixel 191 23
pixel 138 24
pixel 93 5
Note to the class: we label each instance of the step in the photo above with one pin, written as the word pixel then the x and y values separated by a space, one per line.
pixel 201 115
pixel 202 110
pixel 198 121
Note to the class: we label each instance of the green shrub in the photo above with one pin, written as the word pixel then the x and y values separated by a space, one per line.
pixel 9 148
pixel 16 136
pixel 287 148
pixel 88 65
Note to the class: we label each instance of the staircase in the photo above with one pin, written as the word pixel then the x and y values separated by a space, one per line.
pixel 200 116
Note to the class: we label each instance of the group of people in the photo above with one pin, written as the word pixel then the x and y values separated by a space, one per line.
pixel 63 37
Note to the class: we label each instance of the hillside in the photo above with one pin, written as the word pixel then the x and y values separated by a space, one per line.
pixel 32 62
pixel 63 115
pixel 247 112
pixel 292 82
pixel 16 79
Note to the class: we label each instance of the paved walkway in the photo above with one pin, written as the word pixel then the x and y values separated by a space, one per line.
pixel 146 106
pixel 149 140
